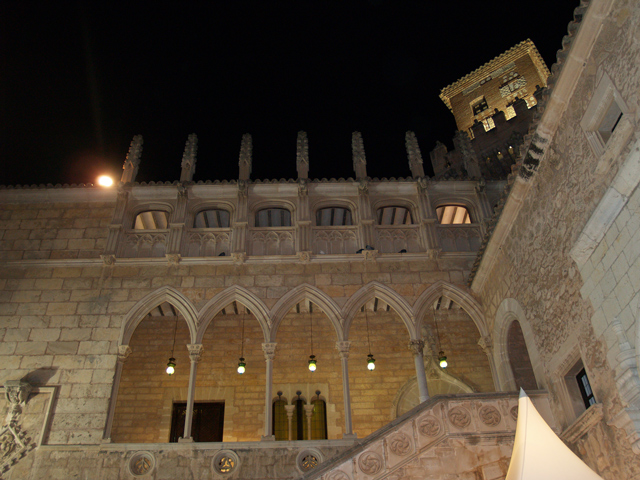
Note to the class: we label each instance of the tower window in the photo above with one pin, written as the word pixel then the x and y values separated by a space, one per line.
pixel 214 218
pixel 273 217
pixel 394 216
pixel 479 106
pixel 152 220
pixel 333 216
pixel 585 388
pixel 453 215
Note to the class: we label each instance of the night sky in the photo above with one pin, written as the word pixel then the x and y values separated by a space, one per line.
pixel 78 80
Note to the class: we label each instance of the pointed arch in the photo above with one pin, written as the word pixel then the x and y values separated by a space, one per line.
pixel 459 295
pixel 384 293
pixel 313 294
pixel 238 294
pixel 154 299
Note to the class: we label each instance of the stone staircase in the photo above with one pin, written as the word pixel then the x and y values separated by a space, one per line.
pixel 468 437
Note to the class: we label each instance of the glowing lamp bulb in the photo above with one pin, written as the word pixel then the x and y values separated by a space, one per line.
pixel 443 360
pixel 171 366
pixel 312 363
pixel 241 366
pixel 105 181
pixel 371 362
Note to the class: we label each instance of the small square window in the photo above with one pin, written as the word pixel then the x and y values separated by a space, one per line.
pixel 479 106
pixel 609 122
pixel 585 388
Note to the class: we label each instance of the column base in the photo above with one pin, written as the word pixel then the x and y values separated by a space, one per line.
pixel 268 438
pixel 185 440
pixel 349 436
pixel 105 440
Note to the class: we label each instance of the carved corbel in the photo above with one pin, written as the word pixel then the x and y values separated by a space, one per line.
pixel 17 392
pixel 416 347
pixel 108 259
pixel 173 258
pixel 123 353
pixel 304 257
pixel 195 352
pixel 343 349
pixel 269 350
pixel 303 187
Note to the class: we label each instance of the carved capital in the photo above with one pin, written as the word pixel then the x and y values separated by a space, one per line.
pixel 183 190
pixel 173 258
pixel 486 345
pixel 416 347
pixel 343 348
pixel 289 409
pixel 195 351
pixel 123 353
pixel 363 186
pixel 303 187
pixel 16 392
pixel 308 410
pixel 108 259
pixel 269 350
pixel 423 183
pixel 242 188
pixel 304 256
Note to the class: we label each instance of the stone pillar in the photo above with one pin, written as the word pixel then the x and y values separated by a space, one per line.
pixel 176 225
pixel 414 155
pixel 428 218
pixel 290 409
pixel 246 157
pixel 308 410
pixel 485 344
pixel 417 347
pixel 359 159
pixel 116 226
pixel 195 351
pixel 123 353
pixel 269 350
pixel 343 348
pixel 303 222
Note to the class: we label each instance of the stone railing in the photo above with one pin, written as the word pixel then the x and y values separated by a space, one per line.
pixel 145 243
pixel 332 240
pixel 272 241
pixel 393 239
pixel 453 436
pixel 459 238
pixel 205 242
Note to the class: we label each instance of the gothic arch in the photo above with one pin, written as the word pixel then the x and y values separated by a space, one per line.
pixel 271 203
pixel 508 311
pixel 313 294
pixel 388 295
pixel 469 304
pixel 462 200
pixel 144 306
pixel 336 202
pixel 224 298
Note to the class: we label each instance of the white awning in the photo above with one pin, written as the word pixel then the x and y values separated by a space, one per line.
pixel 539 454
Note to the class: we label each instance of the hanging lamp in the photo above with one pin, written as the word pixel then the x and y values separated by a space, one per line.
pixel 241 363
pixel 442 359
pixel 371 362
pixel 171 366
pixel 312 357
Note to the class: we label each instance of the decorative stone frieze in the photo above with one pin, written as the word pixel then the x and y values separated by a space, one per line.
pixel 370 463
pixel 489 415
pixel 430 426
pixel 459 417
pixel 400 444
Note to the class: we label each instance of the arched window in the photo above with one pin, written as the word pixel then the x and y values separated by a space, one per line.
pixel 394 215
pixel 453 215
pixel 519 358
pixel 333 216
pixel 152 220
pixel 214 218
pixel 273 217
pixel 300 420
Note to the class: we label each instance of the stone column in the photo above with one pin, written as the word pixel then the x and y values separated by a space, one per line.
pixel 269 350
pixel 308 410
pixel 290 409
pixel 417 347
pixel 485 344
pixel 195 351
pixel 123 353
pixel 343 348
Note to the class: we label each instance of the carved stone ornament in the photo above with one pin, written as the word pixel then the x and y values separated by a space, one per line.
pixel 400 444
pixel 430 426
pixel 489 415
pixel 459 417
pixel 269 350
pixel 173 258
pixel 195 351
pixel 141 464
pixel 14 443
pixel 363 186
pixel 370 255
pixel 416 347
pixel 108 259
pixel 225 462
pixel 243 186
pixel 304 256
pixel 238 258
pixel 343 348
pixel 370 463
pixel 303 187
pixel 514 413
pixel 123 353
pixel 338 475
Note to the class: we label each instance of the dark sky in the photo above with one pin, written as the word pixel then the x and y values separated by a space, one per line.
pixel 78 80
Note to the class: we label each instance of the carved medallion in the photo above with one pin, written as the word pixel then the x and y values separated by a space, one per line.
pixel 370 463
pixel 338 475
pixel 490 415
pixel 459 417
pixel 225 462
pixel 429 426
pixel 7 445
pixel 141 464
pixel 400 444
pixel 514 413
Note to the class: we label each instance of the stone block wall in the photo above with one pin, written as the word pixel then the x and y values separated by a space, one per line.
pixel 53 230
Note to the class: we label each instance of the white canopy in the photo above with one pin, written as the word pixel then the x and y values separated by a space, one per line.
pixel 538 453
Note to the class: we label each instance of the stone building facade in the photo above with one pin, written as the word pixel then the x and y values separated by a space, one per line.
pixel 528 278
